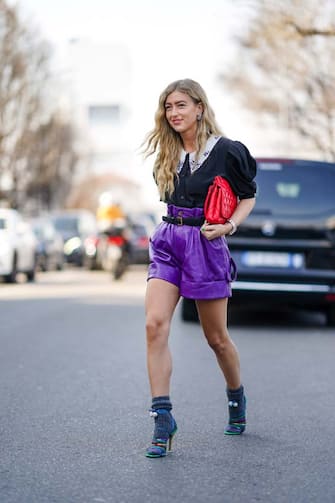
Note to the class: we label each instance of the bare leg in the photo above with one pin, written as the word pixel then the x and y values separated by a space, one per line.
pixel 213 318
pixel 160 303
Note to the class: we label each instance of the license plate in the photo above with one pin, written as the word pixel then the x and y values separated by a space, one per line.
pixel 273 259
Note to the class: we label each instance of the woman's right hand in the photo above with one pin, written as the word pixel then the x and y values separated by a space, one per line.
pixel 212 231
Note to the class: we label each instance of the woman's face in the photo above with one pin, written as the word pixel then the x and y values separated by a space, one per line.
pixel 181 112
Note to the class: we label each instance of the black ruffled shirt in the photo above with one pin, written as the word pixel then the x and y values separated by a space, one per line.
pixel 228 158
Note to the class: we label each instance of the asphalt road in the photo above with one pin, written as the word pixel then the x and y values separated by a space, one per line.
pixel 74 398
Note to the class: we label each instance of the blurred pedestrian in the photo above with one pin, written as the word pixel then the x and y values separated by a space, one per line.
pixel 189 257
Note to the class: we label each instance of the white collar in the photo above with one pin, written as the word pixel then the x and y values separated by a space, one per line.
pixel 195 164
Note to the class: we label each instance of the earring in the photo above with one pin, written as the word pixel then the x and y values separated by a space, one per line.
pixel 199 117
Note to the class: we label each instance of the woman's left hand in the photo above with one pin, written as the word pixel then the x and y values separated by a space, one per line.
pixel 212 231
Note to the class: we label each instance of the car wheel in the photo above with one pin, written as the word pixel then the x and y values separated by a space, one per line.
pixel 11 277
pixel 60 266
pixel 331 316
pixel 43 263
pixel 31 275
pixel 90 263
pixel 189 310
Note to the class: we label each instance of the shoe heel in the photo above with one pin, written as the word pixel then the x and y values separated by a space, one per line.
pixel 172 434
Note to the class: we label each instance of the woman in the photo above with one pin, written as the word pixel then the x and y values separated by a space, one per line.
pixel 189 257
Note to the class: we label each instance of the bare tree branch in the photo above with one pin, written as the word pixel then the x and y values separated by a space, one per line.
pixel 36 146
pixel 288 75
pixel 311 32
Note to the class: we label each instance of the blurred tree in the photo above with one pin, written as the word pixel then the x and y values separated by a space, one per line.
pixel 284 70
pixel 31 134
pixel 51 162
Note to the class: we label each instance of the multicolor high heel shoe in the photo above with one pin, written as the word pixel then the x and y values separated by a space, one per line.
pixel 165 429
pixel 237 412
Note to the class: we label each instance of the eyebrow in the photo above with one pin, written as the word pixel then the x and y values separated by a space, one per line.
pixel 177 102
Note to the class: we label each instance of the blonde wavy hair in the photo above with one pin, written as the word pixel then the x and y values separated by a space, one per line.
pixel 168 143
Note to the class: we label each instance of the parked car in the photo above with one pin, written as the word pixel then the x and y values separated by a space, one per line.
pixel 17 246
pixel 50 245
pixel 139 243
pixel 285 249
pixel 74 226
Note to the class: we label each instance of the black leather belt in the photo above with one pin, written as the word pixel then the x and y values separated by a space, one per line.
pixel 193 221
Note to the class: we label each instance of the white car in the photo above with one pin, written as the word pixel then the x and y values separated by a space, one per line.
pixel 18 246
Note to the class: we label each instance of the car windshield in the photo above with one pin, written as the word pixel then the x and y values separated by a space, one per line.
pixel 300 189
pixel 69 224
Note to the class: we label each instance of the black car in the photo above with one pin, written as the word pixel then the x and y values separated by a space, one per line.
pixel 285 249
pixel 139 243
pixel 74 226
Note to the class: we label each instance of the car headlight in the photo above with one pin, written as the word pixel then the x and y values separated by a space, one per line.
pixel 71 245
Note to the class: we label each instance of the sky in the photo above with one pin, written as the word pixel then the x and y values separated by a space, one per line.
pixel 166 41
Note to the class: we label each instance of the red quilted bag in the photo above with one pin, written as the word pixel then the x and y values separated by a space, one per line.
pixel 220 202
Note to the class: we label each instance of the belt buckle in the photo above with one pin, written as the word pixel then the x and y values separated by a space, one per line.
pixel 180 219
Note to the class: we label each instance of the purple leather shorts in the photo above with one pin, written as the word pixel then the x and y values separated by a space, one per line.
pixel 181 255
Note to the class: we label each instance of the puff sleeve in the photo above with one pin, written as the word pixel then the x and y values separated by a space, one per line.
pixel 241 170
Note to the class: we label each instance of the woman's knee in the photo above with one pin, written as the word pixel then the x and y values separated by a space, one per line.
pixel 219 344
pixel 157 328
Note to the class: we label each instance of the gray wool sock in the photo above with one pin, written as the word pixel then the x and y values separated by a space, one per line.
pixel 164 422
pixel 236 403
pixel 161 402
